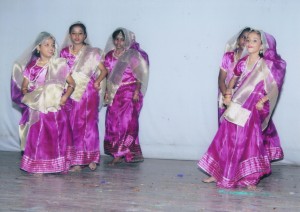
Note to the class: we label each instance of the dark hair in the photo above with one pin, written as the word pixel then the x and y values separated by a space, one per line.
pixel 36 53
pixel 115 33
pixel 246 29
pixel 78 24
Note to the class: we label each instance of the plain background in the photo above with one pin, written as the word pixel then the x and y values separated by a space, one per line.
pixel 185 40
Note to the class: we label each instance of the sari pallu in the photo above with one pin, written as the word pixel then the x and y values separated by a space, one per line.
pixel 84 103
pixel 44 125
pixel 237 155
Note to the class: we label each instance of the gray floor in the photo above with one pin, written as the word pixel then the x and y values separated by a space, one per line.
pixel 154 185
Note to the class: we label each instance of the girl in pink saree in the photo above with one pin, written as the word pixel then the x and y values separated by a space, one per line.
pixel 237 155
pixel 38 87
pixel 88 73
pixel 126 86
pixel 233 52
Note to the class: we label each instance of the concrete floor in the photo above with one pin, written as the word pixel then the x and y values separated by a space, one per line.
pixel 154 185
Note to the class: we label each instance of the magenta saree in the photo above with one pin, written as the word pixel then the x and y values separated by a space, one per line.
pixel 44 126
pixel 240 155
pixel 84 104
pixel 270 135
pixel 122 125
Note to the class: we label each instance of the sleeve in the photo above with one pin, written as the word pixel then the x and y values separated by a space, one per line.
pixel 240 67
pixel 63 53
pixel 227 60
pixel 108 61
pixel 26 72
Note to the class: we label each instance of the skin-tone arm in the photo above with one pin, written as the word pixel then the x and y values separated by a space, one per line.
pixel 228 92
pixel 69 91
pixel 221 81
pixel 24 87
pixel 101 76
pixel 137 92
pixel 260 104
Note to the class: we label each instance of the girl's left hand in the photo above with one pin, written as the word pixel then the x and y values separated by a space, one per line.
pixel 136 96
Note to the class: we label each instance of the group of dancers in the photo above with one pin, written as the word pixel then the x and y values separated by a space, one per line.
pixel 60 94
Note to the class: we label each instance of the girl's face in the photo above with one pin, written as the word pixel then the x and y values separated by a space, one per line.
pixel 47 48
pixel 243 39
pixel 119 41
pixel 254 44
pixel 77 35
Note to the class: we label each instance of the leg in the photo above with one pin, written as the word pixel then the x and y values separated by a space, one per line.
pixel 116 160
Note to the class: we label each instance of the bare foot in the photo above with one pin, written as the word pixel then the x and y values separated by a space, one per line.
pixel 251 187
pixel 93 166
pixel 75 169
pixel 137 159
pixel 115 161
pixel 209 180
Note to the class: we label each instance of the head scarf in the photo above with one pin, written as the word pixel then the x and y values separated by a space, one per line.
pixel 232 43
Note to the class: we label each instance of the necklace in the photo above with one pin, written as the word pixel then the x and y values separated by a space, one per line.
pixel 119 54
pixel 73 51
pixel 41 63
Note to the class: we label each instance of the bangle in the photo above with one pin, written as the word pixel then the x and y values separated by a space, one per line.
pixel 71 86
pixel 227 95
pixel 24 89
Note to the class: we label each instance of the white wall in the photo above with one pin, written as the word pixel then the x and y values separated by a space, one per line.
pixel 185 41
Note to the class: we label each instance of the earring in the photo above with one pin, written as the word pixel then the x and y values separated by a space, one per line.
pixel 261 51
pixel 38 51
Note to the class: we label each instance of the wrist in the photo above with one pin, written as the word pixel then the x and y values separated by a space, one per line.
pixel 71 86
pixel 228 91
